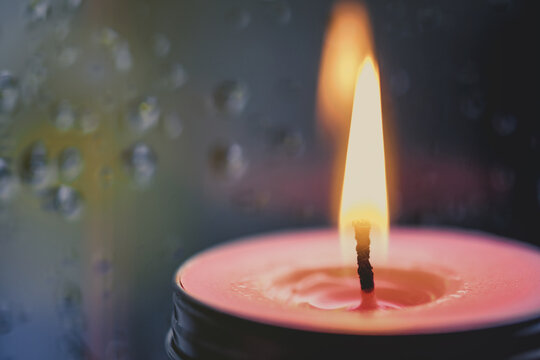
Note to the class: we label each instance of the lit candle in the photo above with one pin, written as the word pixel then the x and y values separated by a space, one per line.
pixel 441 294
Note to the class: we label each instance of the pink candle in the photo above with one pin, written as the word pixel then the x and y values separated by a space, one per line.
pixel 441 294
pixel 434 281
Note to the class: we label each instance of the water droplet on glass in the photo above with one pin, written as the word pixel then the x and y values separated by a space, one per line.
pixel 141 163
pixel 162 45
pixel 64 118
pixel 73 4
pixel 68 56
pixel 9 92
pixel 228 161
pixel 70 164
pixel 65 200
pixel 88 122
pixel 173 125
pixel 504 124
pixel 69 298
pixel 35 167
pixel 231 97
pixel 472 105
pixel 107 37
pixel 144 115
pixel 7 320
pixel 8 181
pixel 122 57
pixel 38 10
pixel 291 143
pixel 62 30
pixel 282 12
pixel 239 18
pixel 177 77
pixel 33 78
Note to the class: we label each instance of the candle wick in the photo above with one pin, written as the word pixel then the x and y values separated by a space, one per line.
pixel 365 270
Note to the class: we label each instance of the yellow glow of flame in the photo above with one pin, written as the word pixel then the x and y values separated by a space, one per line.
pixel 347 42
pixel 363 194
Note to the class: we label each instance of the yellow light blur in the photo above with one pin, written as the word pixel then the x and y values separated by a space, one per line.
pixel 347 42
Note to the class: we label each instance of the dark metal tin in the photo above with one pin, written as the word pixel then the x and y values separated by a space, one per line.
pixel 199 331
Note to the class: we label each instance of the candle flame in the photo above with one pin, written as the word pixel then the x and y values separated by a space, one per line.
pixel 363 194
pixel 349 80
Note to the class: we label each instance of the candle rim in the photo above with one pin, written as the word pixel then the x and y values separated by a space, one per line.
pixel 316 328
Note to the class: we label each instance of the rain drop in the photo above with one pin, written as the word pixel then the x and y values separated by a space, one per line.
pixel 228 161
pixel 107 37
pixel 38 10
pixel 62 30
pixel 141 163
pixel 70 164
pixel 74 4
pixel 65 116
pixel 33 78
pixel 68 56
pixel 239 18
pixel 291 143
pixel 122 57
pixel 9 92
pixel 69 298
pixel 177 77
pixel 144 115
pixel 162 45
pixel 35 165
pixel 282 12
pixel 64 200
pixel 231 97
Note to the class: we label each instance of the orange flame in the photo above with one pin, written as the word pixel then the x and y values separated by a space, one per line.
pixel 364 194
pixel 348 41
pixel 349 80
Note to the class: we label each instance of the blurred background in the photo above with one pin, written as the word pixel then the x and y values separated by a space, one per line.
pixel 135 133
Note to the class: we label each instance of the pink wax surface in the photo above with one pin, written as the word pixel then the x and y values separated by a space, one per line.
pixel 433 281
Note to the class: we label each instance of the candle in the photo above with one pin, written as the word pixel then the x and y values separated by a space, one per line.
pixel 466 292
pixel 435 293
